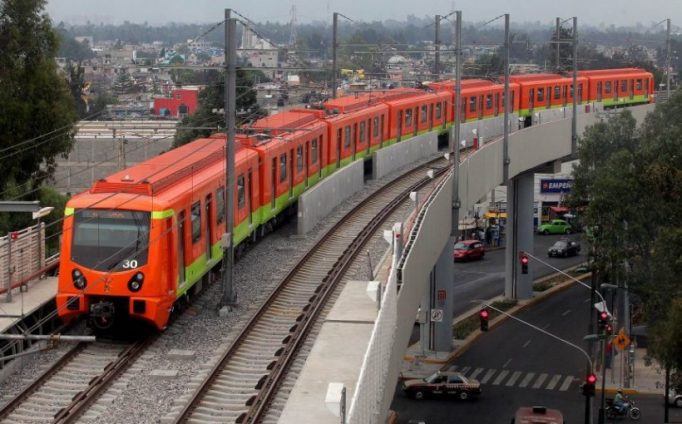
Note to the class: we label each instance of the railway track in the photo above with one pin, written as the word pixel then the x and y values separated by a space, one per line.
pixel 63 392
pixel 244 383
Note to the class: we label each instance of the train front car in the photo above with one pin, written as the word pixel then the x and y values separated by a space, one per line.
pixel 113 266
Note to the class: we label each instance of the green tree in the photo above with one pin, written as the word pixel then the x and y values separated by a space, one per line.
pixel 77 87
pixel 212 98
pixel 36 105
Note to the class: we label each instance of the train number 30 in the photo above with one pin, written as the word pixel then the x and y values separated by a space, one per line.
pixel 129 263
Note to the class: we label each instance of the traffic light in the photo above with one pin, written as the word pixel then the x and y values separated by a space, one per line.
pixel 603 320
pixel 483 316
pixel 608 329
pixel 588 387
pixel 524 262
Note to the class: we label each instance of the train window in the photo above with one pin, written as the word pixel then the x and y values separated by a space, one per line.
pixel 196 221
pixel 541 95
pixel 346 141
pixel 623 86
pixel 438 110
pixel 314 151
pixel 423 114
pixel 283 168
pixel 408 118
pixel 299 159
pixel 472 104
pixel 639 84
pixel 489 101
pixel 362 132
pixel 241 198
pixel 375 127
pixel 220 204
pixel 557 92
pixel 607 87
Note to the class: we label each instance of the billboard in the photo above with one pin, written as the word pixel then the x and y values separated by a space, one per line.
pixel 556 185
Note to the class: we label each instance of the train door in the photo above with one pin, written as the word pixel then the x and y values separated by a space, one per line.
pixel 531 99
pixel 181 247
pixel 615 89
pixel 273 186
pixel 381 132
pixel 565 95
pixel 355 139
pixel 249 196
pixel 400 124
pixel 320 146
pixel 430 116
pixel 307 162
pixel 339 136
pixel 368 137
pixel 480 107
pixel 497 104
pixel 599 88
pixel 632 89
pixel 416 120
pixel 209 227
pixel 291 173
pixel 549 97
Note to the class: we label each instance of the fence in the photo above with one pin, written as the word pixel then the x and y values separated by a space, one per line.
pixel 22 256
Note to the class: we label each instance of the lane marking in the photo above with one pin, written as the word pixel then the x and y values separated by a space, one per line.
pixel 527 343
pixel 476 372
pixel 513 378
pixel 507 363
pixel 488 376
pixel 541 379
pixel 465 370
pixel 553 382
pixel 568 311
pixel 567 382
pixel 546 326
pixel 500 377
pixel 526 380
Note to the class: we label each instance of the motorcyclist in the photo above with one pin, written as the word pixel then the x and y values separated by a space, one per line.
pixel 619 402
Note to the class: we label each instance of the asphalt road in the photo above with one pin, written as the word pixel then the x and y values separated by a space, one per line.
pixel 517 365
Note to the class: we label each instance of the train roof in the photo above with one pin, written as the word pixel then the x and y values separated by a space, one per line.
pixel 159 173
pixel 535 77
pixel 284 122
pixel 591 72
pixel 466 83
pixel 360 100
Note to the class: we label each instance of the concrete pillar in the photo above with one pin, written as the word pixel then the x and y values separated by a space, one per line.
pixel 436 331
pixel 519 237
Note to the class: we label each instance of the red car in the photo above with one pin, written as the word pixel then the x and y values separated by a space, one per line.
pixel 468 250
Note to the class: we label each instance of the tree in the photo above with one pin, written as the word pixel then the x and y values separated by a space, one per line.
pixel 36 104
pixel 77 87
pixel 212 98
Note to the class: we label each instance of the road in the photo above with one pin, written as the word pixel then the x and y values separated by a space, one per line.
pixel 516 364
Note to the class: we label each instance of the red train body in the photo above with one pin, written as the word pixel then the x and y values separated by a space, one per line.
pixel 141 239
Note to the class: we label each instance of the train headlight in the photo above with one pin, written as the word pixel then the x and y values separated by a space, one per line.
pixel 135 283
pixel 78 278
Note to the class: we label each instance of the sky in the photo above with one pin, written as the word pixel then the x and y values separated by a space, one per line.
pixel 158 12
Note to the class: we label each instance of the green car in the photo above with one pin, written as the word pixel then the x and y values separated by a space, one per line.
pixel 555 226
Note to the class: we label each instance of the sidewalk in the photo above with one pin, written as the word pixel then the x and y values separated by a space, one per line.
pixel 648 377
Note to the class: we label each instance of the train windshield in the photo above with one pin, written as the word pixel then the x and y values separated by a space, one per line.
pixel 107 239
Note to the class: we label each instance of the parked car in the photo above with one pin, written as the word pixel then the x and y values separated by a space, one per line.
pixel 555 226
pixel 537 414
pixel 442 383
pixel 675 398
pixel 468 250
pixel 564 248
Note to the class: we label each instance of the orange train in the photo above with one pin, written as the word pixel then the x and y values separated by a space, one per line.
pixel 141 240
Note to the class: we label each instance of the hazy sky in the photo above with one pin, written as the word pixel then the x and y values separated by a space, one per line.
pixel 155 12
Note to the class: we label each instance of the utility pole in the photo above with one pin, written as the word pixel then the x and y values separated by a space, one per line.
pixel 574 122
pixel 436 44
pixel 507 102
pixel 454 144
pixel 558 44
pixel 335 26
pixel 229 297
pixel 667 60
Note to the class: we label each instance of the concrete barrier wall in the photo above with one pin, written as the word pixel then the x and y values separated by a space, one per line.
pixel 431 234
pixel 486 130
pixel 316 203
pixel 403 153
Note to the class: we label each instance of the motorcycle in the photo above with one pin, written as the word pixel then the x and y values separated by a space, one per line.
pixel 629 410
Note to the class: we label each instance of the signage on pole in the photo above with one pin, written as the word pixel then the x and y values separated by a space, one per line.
pixel 621 341
pixel 441 296
pixel 436 315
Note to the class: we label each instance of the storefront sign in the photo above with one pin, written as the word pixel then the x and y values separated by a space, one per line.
pixel 556 185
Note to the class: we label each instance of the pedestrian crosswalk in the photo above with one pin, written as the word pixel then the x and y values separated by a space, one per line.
pixel 521 379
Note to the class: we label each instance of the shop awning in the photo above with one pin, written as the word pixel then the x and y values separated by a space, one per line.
pixel 558 209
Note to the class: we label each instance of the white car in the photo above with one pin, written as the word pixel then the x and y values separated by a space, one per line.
pixel 675 398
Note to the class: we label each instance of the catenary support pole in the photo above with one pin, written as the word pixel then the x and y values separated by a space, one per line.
pixel 454 140
pixel 558 44
pixel 335 26
pixel 667 59
pixel 436 46
pixel 507 102
pixel 229 297
pixel 576 91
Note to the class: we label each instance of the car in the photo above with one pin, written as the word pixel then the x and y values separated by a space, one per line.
pixel 555 226
pixel 537 414
pixel 442 383
pixel 675 398
pixel 468 250
pixel 564 248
